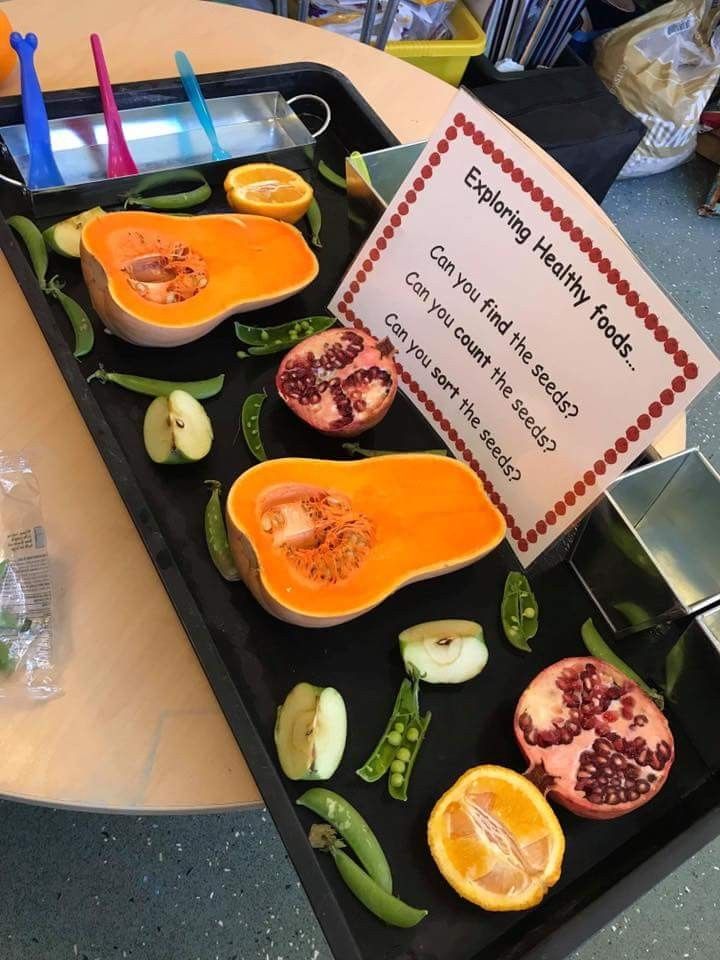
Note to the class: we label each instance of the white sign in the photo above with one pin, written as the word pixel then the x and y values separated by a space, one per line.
pixel 525 329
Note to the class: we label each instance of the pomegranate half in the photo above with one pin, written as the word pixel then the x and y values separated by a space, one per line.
pixel 342 382
pixel 595 741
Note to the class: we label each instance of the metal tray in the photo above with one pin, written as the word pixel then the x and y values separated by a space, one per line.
pixel 252 660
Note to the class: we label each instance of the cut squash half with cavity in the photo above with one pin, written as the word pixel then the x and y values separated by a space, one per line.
pixel 496 840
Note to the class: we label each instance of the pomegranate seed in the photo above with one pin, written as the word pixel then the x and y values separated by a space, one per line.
pixel 572 727
pixel 632 794
pixel 628 701
pixel 627 713
pixel 590 668
pixel 595 797
pixel 611 716
pixel 612 798
pixel 584 775
pixel 663 750
pixel 642 756
pixel 614 691
pixel 531 737
pixel 642 786
pixel 587 723
pixel 602 729
pixel 631 772
pixel 655 762
pixel 525 721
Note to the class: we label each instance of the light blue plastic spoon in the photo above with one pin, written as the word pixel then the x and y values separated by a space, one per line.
pixel 196 98
pixel 43 171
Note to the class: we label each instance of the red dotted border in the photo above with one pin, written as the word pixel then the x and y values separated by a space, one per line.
pixel 687 370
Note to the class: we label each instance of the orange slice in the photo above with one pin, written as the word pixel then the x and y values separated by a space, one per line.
pixel 496 839
pixel 268 190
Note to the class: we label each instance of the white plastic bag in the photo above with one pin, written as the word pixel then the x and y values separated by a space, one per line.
pixel 27 669
pixel 663 67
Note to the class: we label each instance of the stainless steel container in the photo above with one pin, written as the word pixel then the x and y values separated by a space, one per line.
pixel 162 136
pixel 649 551
pixel 374 179
pixel 692 684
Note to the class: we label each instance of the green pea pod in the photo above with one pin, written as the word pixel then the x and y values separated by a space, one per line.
pixel 329 174
pixel 519 611
pixel 171 201
pixel 216 534
pixel 353 827
pixel 80 321
pixel 404 709
pixel 264 341
pixel 675 663
pixel 398 783
pixel 33 240
pixel 359 451
pixel 598 648
pixel 250 420
pixel 149 387
pixel 314 216
pixel 371 895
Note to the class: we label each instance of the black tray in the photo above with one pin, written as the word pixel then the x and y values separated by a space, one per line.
pixel 252 660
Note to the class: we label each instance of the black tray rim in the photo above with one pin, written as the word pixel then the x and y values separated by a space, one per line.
pixel 556 944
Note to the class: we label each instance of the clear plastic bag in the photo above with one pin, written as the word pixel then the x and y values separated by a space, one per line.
pixel 27 670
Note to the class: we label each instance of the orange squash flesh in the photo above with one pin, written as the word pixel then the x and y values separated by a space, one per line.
pixel 246 263
pixel 400 518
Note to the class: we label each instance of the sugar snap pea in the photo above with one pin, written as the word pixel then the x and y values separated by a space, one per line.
pixel 263 341
pixel 329 174
pixel 150 387
pixel 519 611
pixel 250 420
pixel 353 827
pixel 355 448
pixel 314 216
pixel 171 201
pixel 216 534
pixel 79 320
pixel 35 244
pixel 384 905
pixel 598 648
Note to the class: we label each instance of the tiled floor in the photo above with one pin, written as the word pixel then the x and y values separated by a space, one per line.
pixel 220 887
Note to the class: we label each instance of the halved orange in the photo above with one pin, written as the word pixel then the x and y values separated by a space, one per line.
pixel 496 839
pixel 268 190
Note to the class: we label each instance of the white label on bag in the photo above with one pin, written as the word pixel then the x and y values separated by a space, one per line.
pixel 526 331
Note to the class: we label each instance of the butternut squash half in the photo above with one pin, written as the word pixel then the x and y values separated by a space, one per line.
pixel 161 281
pixel 320 542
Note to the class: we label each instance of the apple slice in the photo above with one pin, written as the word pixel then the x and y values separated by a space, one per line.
pixel 310 732
pixel 64 237
pixel 444 651
pixel 177 429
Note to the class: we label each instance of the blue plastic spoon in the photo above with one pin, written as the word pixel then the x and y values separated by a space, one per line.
pixel 43 170
pixel 196 98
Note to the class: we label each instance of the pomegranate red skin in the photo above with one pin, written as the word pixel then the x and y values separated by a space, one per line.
pixel 608 742
pixel 341 382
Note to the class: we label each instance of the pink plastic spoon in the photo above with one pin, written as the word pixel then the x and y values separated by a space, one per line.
pixel 119 159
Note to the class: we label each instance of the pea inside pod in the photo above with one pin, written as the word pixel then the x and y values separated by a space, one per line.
pixel 519 611
pixel 250 422
pixel 263 341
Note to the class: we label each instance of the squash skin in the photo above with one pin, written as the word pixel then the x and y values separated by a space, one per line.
pixel 253 556
pixel 281 257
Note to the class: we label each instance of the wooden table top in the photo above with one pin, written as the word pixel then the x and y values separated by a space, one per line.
pixel 137 727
